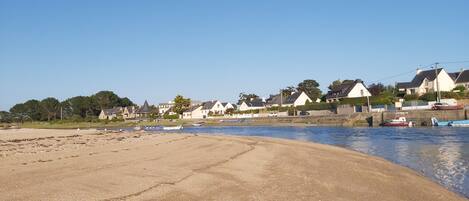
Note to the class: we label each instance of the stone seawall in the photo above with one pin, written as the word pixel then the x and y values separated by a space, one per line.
pixel 419 117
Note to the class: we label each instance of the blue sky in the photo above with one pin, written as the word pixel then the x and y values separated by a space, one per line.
pixel 216 49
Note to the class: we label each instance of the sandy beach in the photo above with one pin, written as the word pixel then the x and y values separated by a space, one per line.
pixel 92 165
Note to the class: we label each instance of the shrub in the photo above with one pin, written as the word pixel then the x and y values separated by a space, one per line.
pixel 318 106
pixel 430 96
pixel 173 116
pixel 409 97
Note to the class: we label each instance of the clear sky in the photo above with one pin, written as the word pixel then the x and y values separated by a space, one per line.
pixel 216 49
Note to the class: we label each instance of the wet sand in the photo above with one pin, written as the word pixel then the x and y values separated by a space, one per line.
pixel 89 165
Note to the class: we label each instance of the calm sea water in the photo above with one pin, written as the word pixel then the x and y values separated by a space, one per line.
pixel 441 154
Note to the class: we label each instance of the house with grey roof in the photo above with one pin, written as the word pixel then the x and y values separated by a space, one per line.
pixel 252 104
pixel 194 112
pixel 348 89
pixel 109 114
pixel 129 112
pixel 295 99
pixel 461 78
pixel 213 107
pixel 428 81
pixel 144 111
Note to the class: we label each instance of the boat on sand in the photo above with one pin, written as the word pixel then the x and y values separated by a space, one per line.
pixel 169 128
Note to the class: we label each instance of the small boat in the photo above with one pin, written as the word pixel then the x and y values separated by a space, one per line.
pixel 446 106
pixel 197 125
pixel 170 128
pixel 398 122
pixel 137 128
pixel 453 123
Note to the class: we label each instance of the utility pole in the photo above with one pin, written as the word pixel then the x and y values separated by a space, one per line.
pixel 61 114
pixel 438 98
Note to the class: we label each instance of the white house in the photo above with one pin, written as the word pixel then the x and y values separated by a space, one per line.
pixel 227 105
pixel 461 78
pixel 194 112
pixel 427 81
pixel 164 107
pixel 212 107
pixel 253 104
pixel 295 99
pixel 348 89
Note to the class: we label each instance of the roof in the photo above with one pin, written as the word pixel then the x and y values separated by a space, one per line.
pixel 430 75
pixel 343 89
pixel 112 111
pixel 208 105
pixel 192 108
pixel 454 75
pixel 463 77
pixel 144 109
pixel 255 103
pixel 130 109
pixel 275 99
pixel 292 98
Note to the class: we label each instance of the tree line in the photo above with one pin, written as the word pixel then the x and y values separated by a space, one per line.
pixel 77 108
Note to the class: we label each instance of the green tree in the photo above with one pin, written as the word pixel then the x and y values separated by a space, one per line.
pixel 106 99
pixel 334 84
pixel 376 89
pixel 5 117
pixel 82 106
pixel 246 97
pixel 311 88
pixel 124 102
pixel 181 104
pixel 288 91
pixel 49 108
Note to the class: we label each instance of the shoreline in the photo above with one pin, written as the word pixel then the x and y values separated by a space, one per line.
pixel 197 167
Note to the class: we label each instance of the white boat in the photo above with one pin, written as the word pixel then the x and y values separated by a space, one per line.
pixel 170 128
pixel 453 123
pixel 398 122
pixel 196 125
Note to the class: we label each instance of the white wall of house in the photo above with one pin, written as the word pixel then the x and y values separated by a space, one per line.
pixel 357 91
pixel 446 83
pixel 245 107
pixel 218 108
pixel 195 114
pixel 228 106
pixel 301 100
pixel 465 84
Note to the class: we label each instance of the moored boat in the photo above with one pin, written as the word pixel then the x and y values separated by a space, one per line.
pixel 168 128
pixel 196 125
pixel 445 106
pixel 453 123
pixel 398 122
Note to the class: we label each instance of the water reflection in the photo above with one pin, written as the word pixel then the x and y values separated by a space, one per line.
pixel 441 154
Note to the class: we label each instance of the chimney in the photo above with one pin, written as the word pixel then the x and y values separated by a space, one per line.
pixel 418 71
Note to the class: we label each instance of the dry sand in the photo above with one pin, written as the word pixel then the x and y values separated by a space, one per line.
pixel 88 165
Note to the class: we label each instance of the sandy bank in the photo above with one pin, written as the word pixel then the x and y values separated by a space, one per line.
pixel 66 165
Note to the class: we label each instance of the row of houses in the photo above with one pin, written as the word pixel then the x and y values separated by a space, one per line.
pixel 432 80
pixel 126 113
pixel 423 82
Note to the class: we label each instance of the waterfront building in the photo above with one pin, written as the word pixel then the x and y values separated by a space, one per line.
pixel 461 78
pixel 253 104
pixel 426 81
pixel 348 89
pixel 295 99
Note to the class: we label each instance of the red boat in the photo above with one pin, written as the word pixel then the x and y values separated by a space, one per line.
pixel 398 122
pixel 446 106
